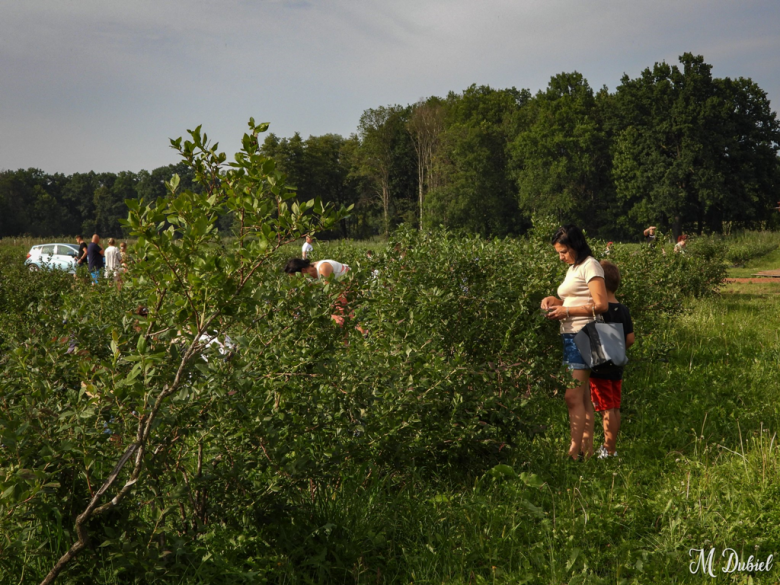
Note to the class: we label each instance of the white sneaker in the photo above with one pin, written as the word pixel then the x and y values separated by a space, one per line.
pixel 602 453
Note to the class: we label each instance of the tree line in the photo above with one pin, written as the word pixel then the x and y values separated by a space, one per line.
pixel 39 204
pixel 674 147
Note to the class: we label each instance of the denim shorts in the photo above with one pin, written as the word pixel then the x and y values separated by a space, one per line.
pixel 571 355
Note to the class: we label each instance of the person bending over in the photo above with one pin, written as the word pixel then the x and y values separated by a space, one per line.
pixel 322 269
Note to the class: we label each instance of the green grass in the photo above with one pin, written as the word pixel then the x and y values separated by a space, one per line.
pixel 752 289
pixel 769 262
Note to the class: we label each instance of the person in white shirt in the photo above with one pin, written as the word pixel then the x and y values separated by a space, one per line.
pixel 307 248
pixel 113 258
pixel 583 294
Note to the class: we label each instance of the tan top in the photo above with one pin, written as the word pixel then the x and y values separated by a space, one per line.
pixel 574 292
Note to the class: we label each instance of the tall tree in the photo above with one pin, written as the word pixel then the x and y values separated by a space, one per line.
pixel 750 136
pixel 560 158
pixel 109 201
pixel 425 125
pixel 690 149
pixel 378 132
pixel 316 167
pixel 79 196
pixel 476 192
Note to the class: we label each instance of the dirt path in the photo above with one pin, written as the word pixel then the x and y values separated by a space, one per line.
pixel 777 280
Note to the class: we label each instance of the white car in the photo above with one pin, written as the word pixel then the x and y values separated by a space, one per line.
pixel 59 256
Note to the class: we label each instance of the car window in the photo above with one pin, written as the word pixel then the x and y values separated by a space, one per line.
pixel 66 250
pixel 47 250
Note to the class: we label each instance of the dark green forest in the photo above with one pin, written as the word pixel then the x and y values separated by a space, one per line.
pixel 674 147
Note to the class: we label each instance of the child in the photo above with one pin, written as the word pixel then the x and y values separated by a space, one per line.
pixel 606 381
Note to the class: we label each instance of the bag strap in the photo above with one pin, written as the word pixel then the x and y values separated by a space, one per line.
pixel 598 318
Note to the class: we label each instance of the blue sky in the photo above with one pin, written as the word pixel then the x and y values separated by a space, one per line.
pixel 95 85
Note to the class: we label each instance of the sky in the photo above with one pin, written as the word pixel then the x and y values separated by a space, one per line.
pixel 95 85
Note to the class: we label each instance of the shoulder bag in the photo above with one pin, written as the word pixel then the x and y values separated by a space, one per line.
pixel 602 343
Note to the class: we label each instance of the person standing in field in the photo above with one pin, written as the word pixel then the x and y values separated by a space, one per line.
pixel 307 247
pixel 95 259
pixel 113 259
pixel 81 257
pixel 649 234
pixel 582 295
pixel 606 382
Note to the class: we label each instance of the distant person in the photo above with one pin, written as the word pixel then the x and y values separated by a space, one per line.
pixel 81 256
pixel 606 382
pixel 113 260
pixel 307 247
pixel 608 249
pixel 650 234
pixel 95 259
pixel 680 245
pixel 582 295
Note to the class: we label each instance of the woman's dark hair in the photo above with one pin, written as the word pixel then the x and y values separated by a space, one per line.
pixel 572 237
pixel 296 265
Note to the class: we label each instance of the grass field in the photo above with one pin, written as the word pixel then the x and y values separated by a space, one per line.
pixel 769 262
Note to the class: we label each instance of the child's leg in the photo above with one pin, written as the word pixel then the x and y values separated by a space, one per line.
pixel 606 396
pixel 611 428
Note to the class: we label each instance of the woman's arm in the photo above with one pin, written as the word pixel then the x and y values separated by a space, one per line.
pixel 600 305
pixel 598 291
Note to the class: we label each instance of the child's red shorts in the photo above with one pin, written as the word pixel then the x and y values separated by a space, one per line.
pixel 605 394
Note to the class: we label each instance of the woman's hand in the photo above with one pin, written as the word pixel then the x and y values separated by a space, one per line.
pixel 557 313
pixel 548 302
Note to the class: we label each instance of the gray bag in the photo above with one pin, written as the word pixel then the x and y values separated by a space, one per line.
pixel 602 343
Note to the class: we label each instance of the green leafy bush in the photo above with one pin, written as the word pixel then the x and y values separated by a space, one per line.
pixel 214 451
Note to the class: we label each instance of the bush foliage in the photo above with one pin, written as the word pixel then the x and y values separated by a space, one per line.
pixel 217 450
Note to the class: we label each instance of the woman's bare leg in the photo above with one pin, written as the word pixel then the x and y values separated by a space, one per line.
pixel 581 415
